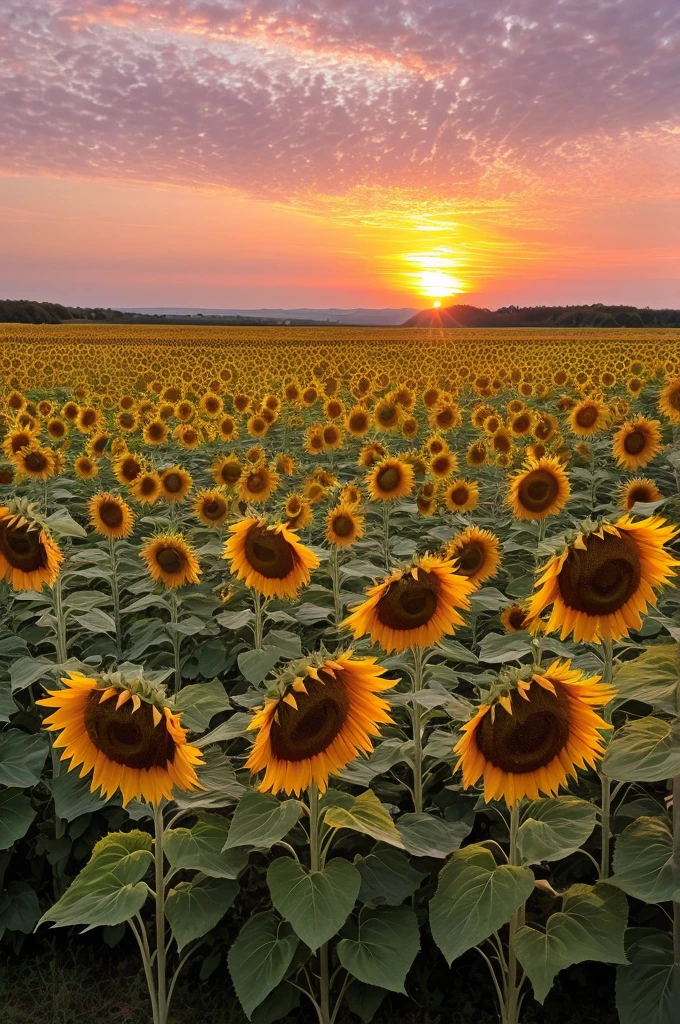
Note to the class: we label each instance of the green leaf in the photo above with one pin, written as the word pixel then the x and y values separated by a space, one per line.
pixel 364 1000
pixel 96 621
pixel 387 878
pixel 383 947
pixel 366 815
pixel 648 989
pixel 221 787
pixel 26 671
pixel 19 908
pixel 363 770
pixel 235 620
pixel 16 815
pixel 193 908
pixel 497 648
pixel 286 643
pixel 424 835
pixel 8 705
pixel 109 889
pixel 72 796
pixel 62 524
pixel 646 750
pixel 555 828
pixel 260 820
pixel 22 757
pixel 212 658
pixel 643 861
pixel 260 957
pixel 200 848
pixel 652 678
pixel 256 665
pixel 280 1003
pixel 474 898
pixel 200 702
pixel 235 726
pixel 317 903
pixel 590 926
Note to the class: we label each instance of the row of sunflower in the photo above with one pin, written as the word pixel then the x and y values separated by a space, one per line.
pixel 249 657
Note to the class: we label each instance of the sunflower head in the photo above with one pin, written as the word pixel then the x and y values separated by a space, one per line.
pixel 601 584
pixel 358 421
pixel 121 727
pixel 669 401
pixel 476 554
pixel 414 606
pixel 127 467
pixel 146 488
pixel 317 717
pixel 110 515
pixel 389 479
pixel 269 557
pixel 462 495
pixel 639 489
pixel 176 483
pixel 536 728
pixel 344 526
pixel 35 462
pixel 588 417
pixel 477 454
pixel 211 507
pixel 171 559
pixel 257 484
pixel 636 443
pixel 539 490
pixel 226 471
pixel 57 428
pixel 29 556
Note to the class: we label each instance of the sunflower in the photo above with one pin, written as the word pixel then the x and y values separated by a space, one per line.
pixel 135 743
pixel 211 405
pixel 156 432
pixel 110 515
pixel 70 411
pixel 29 556
pixel 127 467
pixel 358 421
pixel 333 409
pixel 427 506
pixel 371 453
pixel 35 462
pixel 344 526
pixel 314 443
pixel 170 558
pixel 445 416
pixel 96 446
pixel 539 490
pixel 417 605
pixel 291 392
pixel 15 401
pixel 297 512
pixel 57 429
pixel 435 445
pixel 185 411
pixel 350 495
pixel 477 454
pixel 85 467
pixel 669 401
pixel 15 441
pixel 409 427
pixel 462 495
pixel 269 558
pixel 257 484
pixel 546 428
pixel 387 414
pixel 492 423
pixel 257 425
pixel 211 507
pixel 443 466
pixel 636 443
pixel 501 443
pixel 320 715
pixel 6 475
pixel 588 416
pixel 88 419
pixel 332 436
pixel 390 479
pixel 285 464
pixel 640 489
pixel 187 435
pixel 227 429
pixel 226 471
pixel 603 582
pixel 127 422
pixel 514 618
pixel 175 484
pixel 146 488
pixel 310 396
pixel 476 554
pixel 535 731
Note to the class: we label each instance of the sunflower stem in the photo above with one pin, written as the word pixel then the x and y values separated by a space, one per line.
pixel 176 640
pixel 386 533
pixel 676 867
pixel 160 915
pixel 511 1008
pixel 605 782
pixel 257 630
pixel 60 630
pixel 335 574
pixel 315 864
pixel 115 593
pixel 416 717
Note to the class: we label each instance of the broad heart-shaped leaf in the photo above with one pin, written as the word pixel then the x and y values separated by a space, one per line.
pixel 16 815
pixel 193 908
pixel 22 757
pixel 200 702
pixel 364 1000
pixel 72 796
pixel 260 820
pixel 475 896
pixel 19 908
pixel 260 957
pixel 280 1004
pixel 221 787
pixel 648 989
pixel 424 835
pixel 109 889
pixel 382 948
pixel 590 926
pixel 317 903
pixel 366 815
pixel 497 648
pixel 645 750
pixel 554 828
pixel 256 665
pixel 652 678
pixel 387 878
pixel 200 848
pixel 363 770
pixel 643 861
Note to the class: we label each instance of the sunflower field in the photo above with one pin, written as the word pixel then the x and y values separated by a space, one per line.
pixel 340 669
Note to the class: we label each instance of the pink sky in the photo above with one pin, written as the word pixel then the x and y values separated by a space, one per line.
pixel 340 152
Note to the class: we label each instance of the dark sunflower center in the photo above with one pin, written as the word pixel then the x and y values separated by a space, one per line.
pixel 538 490
pixel 131 469
pixel 111 514
pixel 389 478
pixel 640 493
pixel 521 424
pixel 517 618
pixel 634 443
pixel 409 603
pixel 441 464
pixel 387 414
pixel 20 441
pixel 156 431
pixel 88 418
pixel 214 508
pixel 170 559
pixel 343 526
pixel 98 446
pixel 471 559
pixel 127 419
pixel 57 430
pixel 126 736
pixel 230 472
pixel 269 553
pixel 501 443
pixel 459 495
pixel 148 485
pixel 674 398
pixel 587 417
pixel 445 417
pixel 529 738
pixel 22 547
pixel 172 482
pixel 35 462
pixel 358 421
pixel 319 719
pixel 601 579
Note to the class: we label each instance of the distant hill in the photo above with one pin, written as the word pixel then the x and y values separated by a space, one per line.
pixel 597 315
pixel 356 317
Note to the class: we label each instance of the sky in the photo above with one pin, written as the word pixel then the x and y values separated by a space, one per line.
pixel 286 153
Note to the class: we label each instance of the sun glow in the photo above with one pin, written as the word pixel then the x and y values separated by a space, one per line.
pixel 432 274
